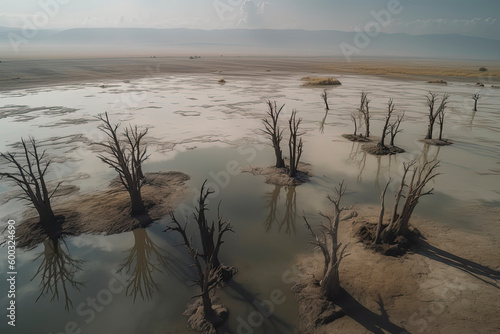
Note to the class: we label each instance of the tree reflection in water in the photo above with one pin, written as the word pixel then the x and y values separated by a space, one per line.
pixel 358 157
pixel 144 259
pixel 57 272
pixel 288 221
pixel 425 153
pixel 322 123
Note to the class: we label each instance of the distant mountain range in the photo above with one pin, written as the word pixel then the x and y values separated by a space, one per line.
pixel 245 42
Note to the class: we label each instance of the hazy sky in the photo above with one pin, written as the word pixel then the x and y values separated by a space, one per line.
pixel 467 17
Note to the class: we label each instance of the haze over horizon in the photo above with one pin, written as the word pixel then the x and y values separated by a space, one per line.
pixel 445 29
pixel 463 17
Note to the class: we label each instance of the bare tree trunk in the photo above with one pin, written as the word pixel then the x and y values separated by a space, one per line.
pixel 206 235
pixel 333 252
pixel 367 126
pixel 364 110
pixel 390 110
pixel 136 202
pixel 330 285
pixel 355 125
pixel 441 124
pixel 29 175
pixel 431 101
pixel 381 214
pixel 441 113
pixel 430 130
pixel 126 157
pixel 280 162
pixel 434 114
pixel 475 97
pixel 394 128
pixel 399 225
pixel 272 130
pixel 324 95
pixel 209 270
pixel 294 145
pixel 208 310
pixel 49 222
pixel 207 307
pixel 392 140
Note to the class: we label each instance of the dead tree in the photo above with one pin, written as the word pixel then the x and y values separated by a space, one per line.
pixel 385 130
pixel 209 242
pixel 364 110
pixel 294 144
pixel 28 173
pixel 272 129
pixel 57 273
pixel 207 278
pixel 433 112
pixel 411 192
pixel 431 102
pixel 126 156
pixel 332 250
pixel 394 127
pixel 209 270
pixel 353 117
pixel 381 214
pixel 441 114
pixel 324 96
pixel 475 97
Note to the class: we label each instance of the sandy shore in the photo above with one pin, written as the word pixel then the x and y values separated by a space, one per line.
pixel 443 286
pixel 22 74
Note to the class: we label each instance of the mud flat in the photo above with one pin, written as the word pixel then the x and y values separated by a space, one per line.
pixel 448 283
pixel 31 73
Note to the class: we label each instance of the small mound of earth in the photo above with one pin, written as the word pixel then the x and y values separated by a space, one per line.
pixel 442 82
pixel 279 176
pixel 314 309
pixel 320 81
pixel 365 232
pixel 108 211
pixel 356 138
pixel 437 142
pixel 196 316
pixel 375 149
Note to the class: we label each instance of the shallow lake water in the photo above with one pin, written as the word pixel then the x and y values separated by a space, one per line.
pixel 201 128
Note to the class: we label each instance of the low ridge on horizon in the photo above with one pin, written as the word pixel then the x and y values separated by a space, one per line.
pixel 297 42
